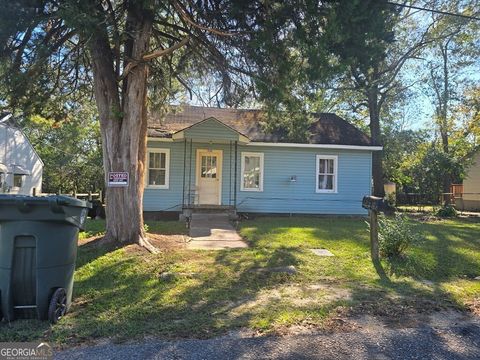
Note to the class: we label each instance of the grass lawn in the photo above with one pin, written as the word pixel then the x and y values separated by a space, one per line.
pixel 120 294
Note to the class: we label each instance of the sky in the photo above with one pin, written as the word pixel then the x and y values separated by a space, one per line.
pixel 418 112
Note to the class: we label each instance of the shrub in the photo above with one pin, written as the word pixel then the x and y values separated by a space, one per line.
pixel 395 235
pixel 447 211
pixel 391 199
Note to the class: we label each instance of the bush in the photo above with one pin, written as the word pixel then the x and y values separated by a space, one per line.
pixel 395 235
pixel 447 211
pixel 391 199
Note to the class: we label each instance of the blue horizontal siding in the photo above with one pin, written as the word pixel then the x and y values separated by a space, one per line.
pixel 279 194
pixel 211 129
pixel 167 199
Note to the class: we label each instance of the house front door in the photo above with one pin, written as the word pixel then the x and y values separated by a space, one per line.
pixel 209 177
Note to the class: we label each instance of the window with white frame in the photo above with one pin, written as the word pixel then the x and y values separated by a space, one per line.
pixel 18 180
pixel 252 171
pixel 158 161
pixel 327 173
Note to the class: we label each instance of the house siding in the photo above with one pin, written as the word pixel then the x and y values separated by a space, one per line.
pixel 279 194
pixel 211 129
pixel 16 149
pixel 471 187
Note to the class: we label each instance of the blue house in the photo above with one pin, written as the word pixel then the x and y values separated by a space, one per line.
pixel 217 158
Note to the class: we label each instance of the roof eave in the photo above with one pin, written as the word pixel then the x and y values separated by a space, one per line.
pixel 319 146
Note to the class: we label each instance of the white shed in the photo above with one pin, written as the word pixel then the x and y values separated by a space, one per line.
pixel 21 168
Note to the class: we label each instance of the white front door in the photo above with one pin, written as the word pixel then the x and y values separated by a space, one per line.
pixel 209 177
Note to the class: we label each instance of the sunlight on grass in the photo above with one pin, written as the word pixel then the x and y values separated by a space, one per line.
pixel 120 293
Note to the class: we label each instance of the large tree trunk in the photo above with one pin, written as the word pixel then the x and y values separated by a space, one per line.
pixel 124 127
pixel 375 134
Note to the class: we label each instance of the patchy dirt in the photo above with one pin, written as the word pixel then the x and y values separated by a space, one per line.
pixel 164 242
pixel 161 242
pixel 296 295
pixel 91 241
pixel 474 306
pixel 436 319
pixel 441 335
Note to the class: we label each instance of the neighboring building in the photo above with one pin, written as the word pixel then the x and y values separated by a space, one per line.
pixel 222 158
pixel 20 166
pixel 471 187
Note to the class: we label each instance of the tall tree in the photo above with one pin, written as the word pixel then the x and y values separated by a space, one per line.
pixel 449 59
pixel 58 47
pixel 347 46
pixel 132 50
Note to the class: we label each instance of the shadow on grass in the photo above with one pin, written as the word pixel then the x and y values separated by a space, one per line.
pixel 123 294
pixel 447 251
pixel 94 249
pixel 213 292
pixel 119 298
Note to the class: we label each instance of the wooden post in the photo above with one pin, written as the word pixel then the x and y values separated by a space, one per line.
pixel 100 195
pixel 34 192
pixel 374 248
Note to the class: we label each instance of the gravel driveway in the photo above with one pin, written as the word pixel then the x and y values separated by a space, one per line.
pixel 442 336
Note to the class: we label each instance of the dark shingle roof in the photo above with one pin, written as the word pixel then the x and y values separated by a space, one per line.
pixel 328 129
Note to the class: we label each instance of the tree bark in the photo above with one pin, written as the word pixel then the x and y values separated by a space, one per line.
pixel 123 123
pixel 375 134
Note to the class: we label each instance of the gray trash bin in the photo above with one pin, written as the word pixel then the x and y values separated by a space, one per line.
pixel 38 250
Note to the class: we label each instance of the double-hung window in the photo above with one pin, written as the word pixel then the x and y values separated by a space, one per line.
pixel 18 180
pixel 327 173
pixel 252 172
pixel 158 161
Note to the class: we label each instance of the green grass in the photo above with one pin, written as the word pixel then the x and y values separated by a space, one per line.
pixel 93 228
pixel 119 292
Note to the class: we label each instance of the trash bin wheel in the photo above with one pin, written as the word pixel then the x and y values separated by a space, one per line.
pixel 58 305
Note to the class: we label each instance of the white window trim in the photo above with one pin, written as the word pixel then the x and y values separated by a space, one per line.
pixel 14 187
pixel 242 171
pixel 167 168
pixel 335 174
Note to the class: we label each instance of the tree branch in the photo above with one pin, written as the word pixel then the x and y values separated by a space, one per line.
pixel 182 11
pixel 153 55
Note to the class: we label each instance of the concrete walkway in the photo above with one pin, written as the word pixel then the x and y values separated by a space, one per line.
pixel 213 232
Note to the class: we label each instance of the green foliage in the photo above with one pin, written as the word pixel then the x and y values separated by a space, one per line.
pixel 447 211
pixel 146 227
pixel 70 149
pixel 298 49
pixel 395 235
pixel 391 199
pixel 427 167
pixel 400 146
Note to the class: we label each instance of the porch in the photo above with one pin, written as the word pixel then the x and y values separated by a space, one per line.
pixel 210 175
pixel 199 166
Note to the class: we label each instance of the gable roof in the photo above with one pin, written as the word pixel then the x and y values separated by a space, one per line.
pixel 228 132
pixel 11 124
pixel 327 129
